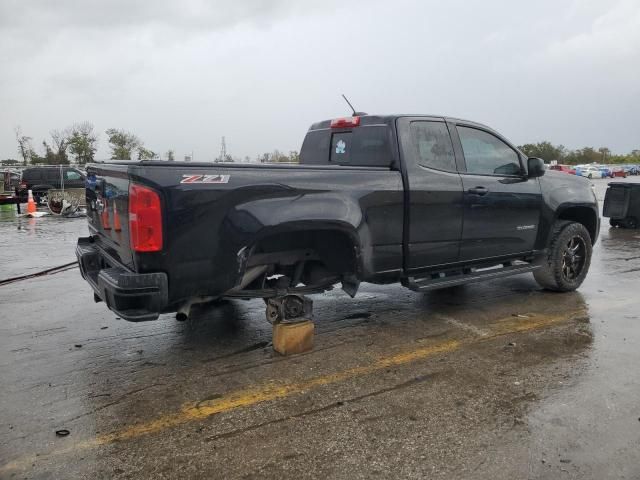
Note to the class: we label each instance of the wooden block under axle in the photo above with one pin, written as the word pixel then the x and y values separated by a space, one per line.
pixel 292 338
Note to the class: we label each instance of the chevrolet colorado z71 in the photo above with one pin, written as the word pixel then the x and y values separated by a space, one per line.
pixel 427 201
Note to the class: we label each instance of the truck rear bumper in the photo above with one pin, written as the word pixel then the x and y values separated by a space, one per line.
pixel 133 296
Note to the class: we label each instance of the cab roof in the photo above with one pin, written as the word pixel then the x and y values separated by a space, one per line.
pixel 369 120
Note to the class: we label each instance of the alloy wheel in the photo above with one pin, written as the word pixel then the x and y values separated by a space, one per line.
pixel 573 258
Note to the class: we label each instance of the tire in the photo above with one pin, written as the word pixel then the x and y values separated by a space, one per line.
pixel 568 258
pixel 613 223
pixel 37 197
pixel 630 222
pixel 590 176
pixel 40 192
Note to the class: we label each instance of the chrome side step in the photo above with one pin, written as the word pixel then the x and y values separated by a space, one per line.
pixel 441 280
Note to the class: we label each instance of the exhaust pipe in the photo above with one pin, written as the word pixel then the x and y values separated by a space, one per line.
pixel 184 312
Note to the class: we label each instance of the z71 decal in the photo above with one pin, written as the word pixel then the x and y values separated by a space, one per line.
pixel 205 179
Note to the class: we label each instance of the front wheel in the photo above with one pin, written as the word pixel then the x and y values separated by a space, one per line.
pixel 568 258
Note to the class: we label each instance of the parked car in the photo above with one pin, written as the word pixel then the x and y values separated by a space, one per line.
pixel 563 168
pixel 42 178
pixel 429 202
pixel 591 172
pixel 11 179
pixel 618 172
pixel 605 172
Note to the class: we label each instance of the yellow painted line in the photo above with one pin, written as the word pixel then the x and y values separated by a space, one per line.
pixel 512 325
pixel 273 391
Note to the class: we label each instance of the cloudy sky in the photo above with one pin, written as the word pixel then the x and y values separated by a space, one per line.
pixel 182 74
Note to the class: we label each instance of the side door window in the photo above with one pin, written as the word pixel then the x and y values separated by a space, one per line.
pixel 72 175
pixel 486 154
pixel 433 145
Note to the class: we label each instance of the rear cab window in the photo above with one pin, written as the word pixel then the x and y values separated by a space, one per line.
pixel 341 148
pixel 362 146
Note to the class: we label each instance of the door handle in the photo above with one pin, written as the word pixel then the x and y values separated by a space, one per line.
pixel 478 191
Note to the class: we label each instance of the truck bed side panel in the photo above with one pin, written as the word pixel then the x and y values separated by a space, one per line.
pixel 208 225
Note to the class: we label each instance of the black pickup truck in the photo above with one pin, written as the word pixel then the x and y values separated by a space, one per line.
pixel 427 201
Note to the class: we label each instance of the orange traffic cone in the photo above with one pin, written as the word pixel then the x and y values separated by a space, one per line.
pixel 105 218
pixel 116 219
pixel 31 205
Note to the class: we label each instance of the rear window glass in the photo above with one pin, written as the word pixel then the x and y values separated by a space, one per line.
pixel 341 148
pixel 315 148
pixel 362 146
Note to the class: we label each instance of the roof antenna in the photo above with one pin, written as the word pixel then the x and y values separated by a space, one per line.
pixel 351 106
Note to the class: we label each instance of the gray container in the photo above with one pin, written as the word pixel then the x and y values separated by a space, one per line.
pixel 622 204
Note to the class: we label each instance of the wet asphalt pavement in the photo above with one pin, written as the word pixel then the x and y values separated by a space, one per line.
pixel 499 380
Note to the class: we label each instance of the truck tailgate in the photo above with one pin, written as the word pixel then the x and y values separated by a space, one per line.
pixel 108 211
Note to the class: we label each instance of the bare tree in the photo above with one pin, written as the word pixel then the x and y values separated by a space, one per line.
pixel 60 141
pixel 49 154
pixel 24 145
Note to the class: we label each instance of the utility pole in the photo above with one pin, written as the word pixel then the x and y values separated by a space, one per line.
pixel 223 150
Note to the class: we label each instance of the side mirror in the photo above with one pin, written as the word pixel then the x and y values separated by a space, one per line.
pixel 535 166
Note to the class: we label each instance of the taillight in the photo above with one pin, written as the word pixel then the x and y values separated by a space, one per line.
pixel 145 219
pixel 345 122
pixel 23 185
